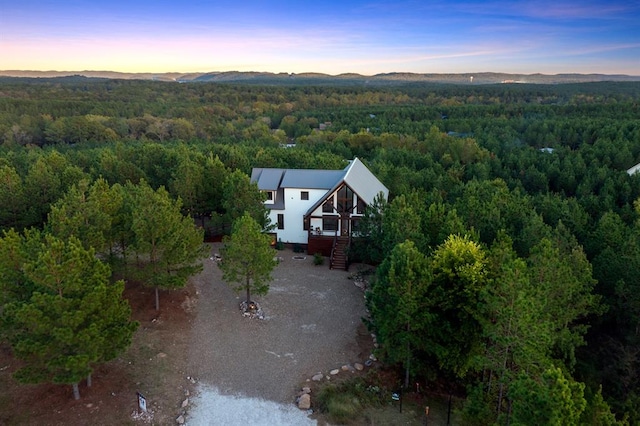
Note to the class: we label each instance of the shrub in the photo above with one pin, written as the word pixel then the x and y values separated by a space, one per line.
pixel 318 259
pixel 297 248
pixel 279 244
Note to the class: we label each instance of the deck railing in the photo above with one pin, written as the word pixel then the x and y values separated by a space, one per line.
pixel 333 249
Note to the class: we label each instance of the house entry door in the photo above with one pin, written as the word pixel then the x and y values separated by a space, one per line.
pixel 344 226
pixel 345 208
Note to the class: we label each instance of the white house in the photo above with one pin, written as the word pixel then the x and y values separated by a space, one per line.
pixel 315 207
pixel 633 170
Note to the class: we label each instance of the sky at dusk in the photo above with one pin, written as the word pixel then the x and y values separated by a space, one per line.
pixel 330 36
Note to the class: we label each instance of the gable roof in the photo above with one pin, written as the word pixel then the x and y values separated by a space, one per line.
pixel 360 179
pixel 363 182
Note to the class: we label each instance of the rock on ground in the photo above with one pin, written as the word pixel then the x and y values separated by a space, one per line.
pixel 304 403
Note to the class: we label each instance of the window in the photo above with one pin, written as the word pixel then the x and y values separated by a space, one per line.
pixel 304 195
pixel 329 223
pixel 269 195
pixel 280 221
pixel 345 200
pixel 361 206
pixel 305 224
pixel 328 206
pixel 355 226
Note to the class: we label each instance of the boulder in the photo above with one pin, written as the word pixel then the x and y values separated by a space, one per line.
pixel 317 377
pixel 334 371
pixel 358 366
pixel 180 420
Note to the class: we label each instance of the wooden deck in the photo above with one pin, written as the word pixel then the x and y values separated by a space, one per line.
pixel 320 244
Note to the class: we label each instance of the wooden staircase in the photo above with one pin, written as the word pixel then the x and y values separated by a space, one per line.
pixel 339 254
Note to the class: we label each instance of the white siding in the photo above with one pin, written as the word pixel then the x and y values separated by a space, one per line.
pixel 295 208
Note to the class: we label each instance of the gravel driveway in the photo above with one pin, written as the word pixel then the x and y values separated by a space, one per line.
pixel 311 325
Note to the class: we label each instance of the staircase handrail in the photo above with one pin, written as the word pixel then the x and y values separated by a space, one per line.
pixel 333 248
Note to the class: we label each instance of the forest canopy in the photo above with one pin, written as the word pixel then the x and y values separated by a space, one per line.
pixel 516 193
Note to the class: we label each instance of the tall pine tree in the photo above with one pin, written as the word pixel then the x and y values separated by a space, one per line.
pixel 73 319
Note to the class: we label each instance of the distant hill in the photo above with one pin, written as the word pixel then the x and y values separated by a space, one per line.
pixel 319 78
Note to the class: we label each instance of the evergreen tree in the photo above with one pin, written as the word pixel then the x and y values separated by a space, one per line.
pixel 241 196
pixel 72 320
pixel 168 244
pixel 247 257
pixel 554 400
pixel 516 337
pixel 13 203
pixel 397 303
pixel 456 302
pixel 562 279
pixel 87 212
pixel 369 244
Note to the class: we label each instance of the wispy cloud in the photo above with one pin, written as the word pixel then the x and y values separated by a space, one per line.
pixel 605 48
pixel 575 10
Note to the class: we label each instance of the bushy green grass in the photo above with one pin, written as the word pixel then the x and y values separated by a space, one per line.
pixel 340 408
pixel 344 402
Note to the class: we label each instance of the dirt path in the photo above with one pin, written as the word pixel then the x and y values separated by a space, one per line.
pixel 312 317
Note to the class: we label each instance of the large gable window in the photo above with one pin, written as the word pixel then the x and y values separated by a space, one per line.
pixel 345 200
pixel 327 207
pixel 361 206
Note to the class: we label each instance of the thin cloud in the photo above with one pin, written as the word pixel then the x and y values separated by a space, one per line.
pixel 575 10
pixel 591 50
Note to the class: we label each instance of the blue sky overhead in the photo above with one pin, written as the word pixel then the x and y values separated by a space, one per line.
pixel 331 36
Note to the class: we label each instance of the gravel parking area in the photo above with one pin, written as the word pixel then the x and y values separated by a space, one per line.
pixel 312 324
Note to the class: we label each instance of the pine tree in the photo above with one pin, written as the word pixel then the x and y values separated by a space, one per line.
pixel 456 302
pixel 86 211
pixel 169 245
pixel 247 257
pixel 72 320
pixel 397 305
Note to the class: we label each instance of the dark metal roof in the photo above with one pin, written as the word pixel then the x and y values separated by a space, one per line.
pixel 267 179
pixel 312 179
